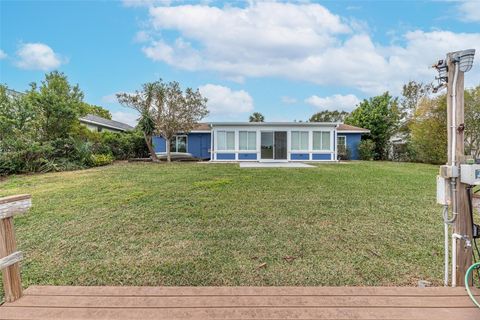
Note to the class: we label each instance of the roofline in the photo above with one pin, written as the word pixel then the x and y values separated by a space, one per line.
pixel 353 131
pixel 297 124
pixel 101 124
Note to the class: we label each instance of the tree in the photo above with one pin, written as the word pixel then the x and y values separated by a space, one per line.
pixel 97 110
pixel 18 119
pixel 256 117
pixel 168 108
pixel 472 121
pixel 380 115
pixel 144 102
pixel 59 106
pixel 412 95
pixel 429 130
pixel 329 116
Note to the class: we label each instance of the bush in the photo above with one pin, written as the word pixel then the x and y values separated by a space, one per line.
pixel 366 150
pixel 36 157
pixel 401 152
pixel 121 146
pixel 97 160
pixel 344 153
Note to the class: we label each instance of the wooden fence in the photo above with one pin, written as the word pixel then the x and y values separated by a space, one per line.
pixel 9 256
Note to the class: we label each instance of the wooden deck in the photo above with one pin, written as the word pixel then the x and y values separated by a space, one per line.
pixel 52 302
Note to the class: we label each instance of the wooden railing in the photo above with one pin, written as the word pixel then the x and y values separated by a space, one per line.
pixel 9 256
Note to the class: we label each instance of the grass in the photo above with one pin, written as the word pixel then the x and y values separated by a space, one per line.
pixel 216 224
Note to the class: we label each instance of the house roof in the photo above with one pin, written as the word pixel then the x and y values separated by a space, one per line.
pixel 341 127
pixel 202 127
pixel 112 124
pixel 348 128
pixel 292 124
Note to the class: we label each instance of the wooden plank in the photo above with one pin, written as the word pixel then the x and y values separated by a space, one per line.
pixel 241 301
pixel 241 313
pixel 215 291
pixel 12 284
pixel 10 259
pixel 10 206
pixel 14 198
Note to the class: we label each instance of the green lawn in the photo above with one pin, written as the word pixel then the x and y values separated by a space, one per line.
pixel 215 224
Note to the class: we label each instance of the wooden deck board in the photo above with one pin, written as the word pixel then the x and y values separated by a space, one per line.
pixel 335 303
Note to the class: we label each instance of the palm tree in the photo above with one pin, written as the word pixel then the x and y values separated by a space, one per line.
pixel 257 117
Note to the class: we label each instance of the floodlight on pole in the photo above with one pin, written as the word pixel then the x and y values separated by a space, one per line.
pixel 464 59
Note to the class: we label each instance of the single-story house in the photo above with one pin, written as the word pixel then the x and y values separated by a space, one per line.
pixel 266 141
pixel 99 124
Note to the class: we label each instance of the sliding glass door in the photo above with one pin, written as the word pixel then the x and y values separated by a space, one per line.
pixel 273 145
pixel 280 145
pixel 266 146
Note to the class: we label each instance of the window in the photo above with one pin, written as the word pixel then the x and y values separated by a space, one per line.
pixel 178 144
pixel 341 143
pixel 225 140
pixel 299 140
pixel 321 140
pixel 248 140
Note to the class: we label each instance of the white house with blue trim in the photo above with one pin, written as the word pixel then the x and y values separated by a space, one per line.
pixel 266 141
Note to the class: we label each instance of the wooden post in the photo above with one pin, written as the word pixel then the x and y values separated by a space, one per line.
pixel 9 257
pixel 463 223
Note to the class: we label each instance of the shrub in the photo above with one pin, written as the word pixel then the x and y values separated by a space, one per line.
pixel 366 150
pixel 97 160
pixel 344 153
pixel 36 157
pixel 121 146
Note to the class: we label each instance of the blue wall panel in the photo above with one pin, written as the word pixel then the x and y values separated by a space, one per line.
pixel 159 144
pixel 198 144
pixel 299 156
pixel 353 139
pixel 322 156
pixel 247 156
pixel 225 156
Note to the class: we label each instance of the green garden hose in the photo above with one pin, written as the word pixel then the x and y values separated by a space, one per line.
pixel 467 276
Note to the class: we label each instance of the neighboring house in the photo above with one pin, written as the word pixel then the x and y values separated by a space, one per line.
pixel 398 147
pixel 266 141
pixel 99 124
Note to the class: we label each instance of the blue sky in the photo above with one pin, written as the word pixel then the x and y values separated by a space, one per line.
pixel 285 60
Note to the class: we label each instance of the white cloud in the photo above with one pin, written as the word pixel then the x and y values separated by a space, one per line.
pixel 335 102
pixel 225 101
pixel 301 41
pixel 3 55
pixel 37 56
pixel 288 100
pixel 145 3
pixel 126 117
pixel 110 99
pixel 470 10
pixel 142 36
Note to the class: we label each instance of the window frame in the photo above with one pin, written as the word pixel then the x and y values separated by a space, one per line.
pixel 321 133
pixel 226 132
pixel 175 138
pixel 345 139
pixel 247 132
pixel 300 132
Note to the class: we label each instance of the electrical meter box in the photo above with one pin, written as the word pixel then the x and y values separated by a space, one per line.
pixel 470 174
pixel 443 191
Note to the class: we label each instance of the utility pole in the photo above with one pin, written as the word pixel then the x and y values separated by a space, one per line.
pixel 463 222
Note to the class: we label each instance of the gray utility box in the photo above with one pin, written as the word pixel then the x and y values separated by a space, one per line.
pixel 470 174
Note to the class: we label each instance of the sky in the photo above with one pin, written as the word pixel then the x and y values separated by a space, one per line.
pixel 286 60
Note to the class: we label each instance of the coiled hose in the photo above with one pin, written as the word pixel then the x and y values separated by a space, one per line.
pixel 467 277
